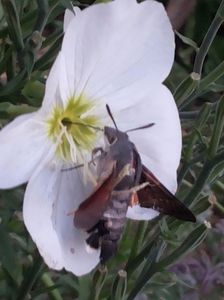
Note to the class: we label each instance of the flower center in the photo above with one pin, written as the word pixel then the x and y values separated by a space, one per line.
pixel 73 129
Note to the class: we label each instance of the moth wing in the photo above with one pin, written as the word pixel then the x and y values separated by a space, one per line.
pixel 91 210
pixel 158 197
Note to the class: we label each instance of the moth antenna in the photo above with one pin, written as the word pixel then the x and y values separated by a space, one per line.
pixel 111 116
pixel 141 127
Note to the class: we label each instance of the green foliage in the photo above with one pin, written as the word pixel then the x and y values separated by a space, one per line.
pixel 30 38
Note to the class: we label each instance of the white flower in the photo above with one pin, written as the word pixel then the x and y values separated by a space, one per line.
pixel 117 53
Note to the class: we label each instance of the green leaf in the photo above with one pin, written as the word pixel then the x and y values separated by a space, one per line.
pixel 187 41
pixel 217 130
pixel 98 281
pixel 14 28
pixel 33 91
pixel 189 244
pixel 29 278
pixel 8 110
pixel 120 291
pixel 66 4
pixel 13 85
pixel 43 11
pixel 192 241
pixel 186 88
pixel 8 256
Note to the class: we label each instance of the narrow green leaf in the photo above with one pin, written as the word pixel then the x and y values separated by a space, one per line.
pixel 208 39
pixel 186 88
pixel 48 282
pixel 13 85
pixel 189 244
pixel 148 270
pixel 217 129
pixel 192 241
pixel 98 281
pixel 33 91
pixel 120 291
pixel 9 110
pixel 193 138
pixel 85 287
pixel 187 41
pixel 43 10
pixel 14 27
pixel 66 4
pixel 8 256
pixel 30 277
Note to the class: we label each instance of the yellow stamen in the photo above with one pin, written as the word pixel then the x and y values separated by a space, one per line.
pixel 73 129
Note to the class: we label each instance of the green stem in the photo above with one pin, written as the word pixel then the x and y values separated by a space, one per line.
pixel 219 206
pixel 208 39
pixel 98 282
pixel 120 291
pixel 48 282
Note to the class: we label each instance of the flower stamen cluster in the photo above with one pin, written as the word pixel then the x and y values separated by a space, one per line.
pixel 74 124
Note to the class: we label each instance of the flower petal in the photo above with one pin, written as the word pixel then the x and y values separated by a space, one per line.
pixel 69 15
pixel 110 46
pixel 57 90
pixel 140 213
pixel 72 192
pixel 51 197
pixel 38 207
pixel 159 145
pixel 23 143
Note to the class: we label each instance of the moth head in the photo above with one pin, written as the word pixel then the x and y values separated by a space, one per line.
pixel 113 135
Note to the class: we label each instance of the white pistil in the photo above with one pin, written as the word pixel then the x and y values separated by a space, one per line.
pixel 72 147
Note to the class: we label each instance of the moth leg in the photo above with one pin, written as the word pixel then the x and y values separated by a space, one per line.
pixel 93 240
pixel 134 199
pixel 95 151
pixel 96 232
pixel 135 189
pixel 108 249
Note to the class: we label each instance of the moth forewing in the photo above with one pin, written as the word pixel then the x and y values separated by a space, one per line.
pixel 123 181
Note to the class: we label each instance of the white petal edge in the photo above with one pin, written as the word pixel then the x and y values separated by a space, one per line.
pixel 69 15
pixel 158 146
pixel 140 213
pixel 51 196
pixel 108 47
pixel 72 191
pixel 23 144
pixel 38 208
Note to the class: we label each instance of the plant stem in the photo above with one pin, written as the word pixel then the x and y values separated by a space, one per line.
pixel 48 282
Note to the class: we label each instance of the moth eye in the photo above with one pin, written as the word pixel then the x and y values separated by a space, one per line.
pixel 112 140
